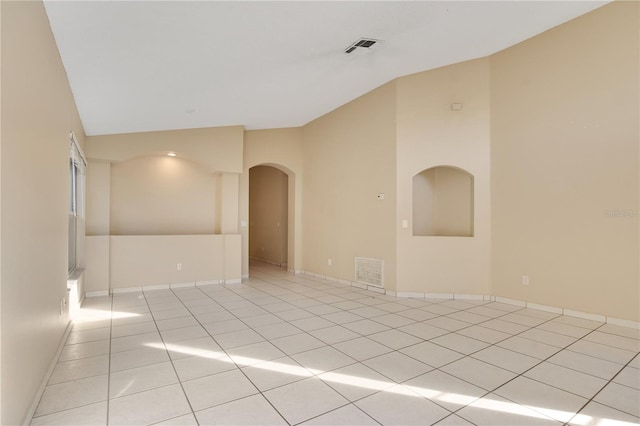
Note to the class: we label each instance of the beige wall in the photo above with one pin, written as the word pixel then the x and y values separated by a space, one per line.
pixel 431 134
pixel 268 210
pixel 349 158
pixel 217 148
pixel 280 148
pixel 38 111
pixel 564 151
pixel 98 197
pixel 162 196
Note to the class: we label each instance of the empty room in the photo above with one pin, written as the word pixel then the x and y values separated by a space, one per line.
pixel 320 213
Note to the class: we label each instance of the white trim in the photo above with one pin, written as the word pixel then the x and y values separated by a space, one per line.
pixel 126 290
pixel 584 315
pixel 99 293
pixel 155 287
pixel 457 296
pixel 45 379
pixel 410 295
pixel 183 285
pixel 233 281
pixel 545 308
pixel 376 289
pixel 438 295
pixel 511 302
pixel 208 282
pixel 623 323
pixel 358 285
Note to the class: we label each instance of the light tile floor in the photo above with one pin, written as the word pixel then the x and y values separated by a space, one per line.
pixel 281 349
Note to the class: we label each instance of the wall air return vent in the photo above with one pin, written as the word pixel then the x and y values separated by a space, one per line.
pixel 370 271
pixel 364 43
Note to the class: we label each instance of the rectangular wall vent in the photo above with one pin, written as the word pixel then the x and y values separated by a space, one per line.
pixel 370 271
pixel 363 42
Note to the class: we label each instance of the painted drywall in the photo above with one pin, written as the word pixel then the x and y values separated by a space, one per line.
pixel 268 211
pixel 38 111
pixel 162 195
pixel 349 158
pixel 564 156
pixel 429 134
pixel 98 197
pixel 217 148
pixel 280 148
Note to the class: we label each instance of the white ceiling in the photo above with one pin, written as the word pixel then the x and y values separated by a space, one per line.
pixel 140 66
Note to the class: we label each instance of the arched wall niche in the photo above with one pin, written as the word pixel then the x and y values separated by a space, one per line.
pixel 443 201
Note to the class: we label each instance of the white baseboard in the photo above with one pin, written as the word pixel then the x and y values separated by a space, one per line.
pixel 43 384
pixel 96 293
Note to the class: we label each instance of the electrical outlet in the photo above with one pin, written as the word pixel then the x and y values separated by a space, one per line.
pixel 525 280
pixel 179 267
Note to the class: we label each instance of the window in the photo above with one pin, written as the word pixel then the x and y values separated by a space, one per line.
pixel 443 202
pixel 76 201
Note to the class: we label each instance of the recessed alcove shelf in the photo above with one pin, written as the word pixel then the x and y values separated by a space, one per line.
pixel 443 202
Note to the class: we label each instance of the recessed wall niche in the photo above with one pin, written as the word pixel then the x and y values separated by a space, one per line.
pixel 443 202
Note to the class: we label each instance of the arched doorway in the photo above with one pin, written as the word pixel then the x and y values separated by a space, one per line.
pixel 268 215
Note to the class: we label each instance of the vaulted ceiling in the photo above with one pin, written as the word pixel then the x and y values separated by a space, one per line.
pixel 156 65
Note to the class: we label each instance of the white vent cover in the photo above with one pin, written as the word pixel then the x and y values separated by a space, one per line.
pixel 370 271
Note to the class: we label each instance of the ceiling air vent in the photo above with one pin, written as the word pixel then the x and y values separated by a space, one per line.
pixel 363 42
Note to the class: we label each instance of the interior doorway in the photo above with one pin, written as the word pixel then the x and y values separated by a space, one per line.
pixel 268 215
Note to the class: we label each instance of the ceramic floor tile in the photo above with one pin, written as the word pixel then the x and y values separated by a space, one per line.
pixel 595 414
pixel 172 323
pixel 362 348
pixel 92 335
pixel 214 317
pixel 171 313
pixel 74 394
pixel 621 342
pixel 149 407
pixel 225 326
pixel 548 337
pixel 137 358
pixel 131 329
pixel 423 331
pixel 217 389
pixel 322 359
pixel 193 347
pixel 365 327
pixel 186 420
pixel 312 323
pixel 525 320
pixel 578 322
pixel 238 338
pixel 617 330
pixel 342 317
pixel 304 400
pixel 586 364
pixel 431 354
pixel 506 359
pixel 547 400
pixel 597 350
pixel 564 329
pixel 177 335
pixel 394 339
pixel 566 379
pixel 349 415
pixel 84 350
pixel 393 320
pixel 460 343
pixel 493 410
pixel 274 331
pixel 401 406
pixel 445 389
pixel 505 326
pixel 628 377
pixel 417 314
pixel 356 381
pixel 397 366
pixel 138 341
pixel 79 369
pixel 335 334
pixel 141 379
pixel 204 364
pixel 453 420
pixel 92 414
pixel 621 398
pixel 297 343
pixel 529 347
pixel 481 374
pixel 254 353
pixel 275 373
pixel 252 410
pixel 484 334
pixel 448 324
